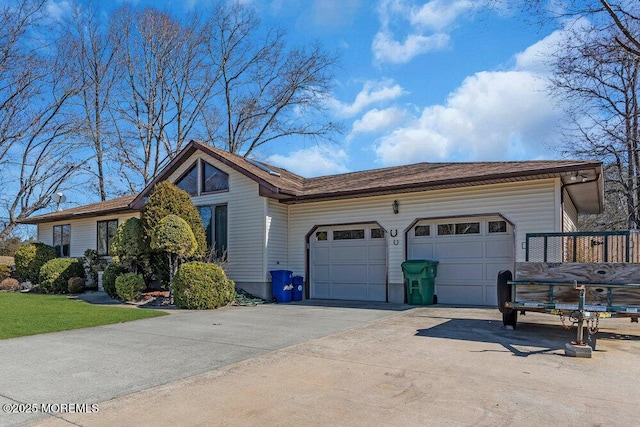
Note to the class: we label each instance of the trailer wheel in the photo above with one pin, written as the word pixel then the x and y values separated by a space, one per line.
pixel 504 290
pixel 510 318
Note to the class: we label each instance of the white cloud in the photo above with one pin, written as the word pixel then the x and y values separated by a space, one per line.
pixel 372 92
pixel 376 120
pixel 313 161
pixel 439 14
pixel 387 49
pixel 503 115
pixel 407 31
pixel 58 10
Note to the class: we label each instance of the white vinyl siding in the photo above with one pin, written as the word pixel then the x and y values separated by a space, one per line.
pixel 277 228
pixel 245 220
pixel 84 232
pixel 530 206
pixel 569 214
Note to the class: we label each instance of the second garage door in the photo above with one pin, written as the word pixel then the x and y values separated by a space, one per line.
pixel 348 263
pixel 470 251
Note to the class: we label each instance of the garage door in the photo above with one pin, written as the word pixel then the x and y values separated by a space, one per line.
pixel 348 263
pixel 470 251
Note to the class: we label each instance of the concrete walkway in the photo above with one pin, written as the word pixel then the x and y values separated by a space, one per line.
pixel 99 364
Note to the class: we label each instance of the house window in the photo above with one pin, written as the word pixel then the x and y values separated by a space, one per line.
pixel 377 233
pixel 422 230
pixel 214 219
pixel 321 236
pixel 62 239
pixel 106 233
pixel 210 178
pixel 189 181
pixel 213 179
pixel 348 234
pixel 497 226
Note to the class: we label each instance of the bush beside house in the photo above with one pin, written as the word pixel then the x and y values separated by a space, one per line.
pixel 30 258
pixel 129 286
pixel 109 277
pixel 200 285
pixel 55 274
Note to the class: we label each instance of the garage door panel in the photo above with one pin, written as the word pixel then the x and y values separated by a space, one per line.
pixel 347 252
pixel 463 272
pixel 320 290
pixel 377 274
pixel 377 253
pixel 322 273
pixel 421 250
pixel 499 249
pixel 321 253
pixel 455 250
pixel 349 274
pixel 377 292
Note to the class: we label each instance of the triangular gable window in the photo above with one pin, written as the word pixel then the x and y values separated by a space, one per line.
pixel 213 179
pixel 189 181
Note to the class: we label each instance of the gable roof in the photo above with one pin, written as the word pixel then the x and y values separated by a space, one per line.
pixel 278 183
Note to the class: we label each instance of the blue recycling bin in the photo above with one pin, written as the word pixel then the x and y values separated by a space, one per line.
pixel 298 286
pixel 281 286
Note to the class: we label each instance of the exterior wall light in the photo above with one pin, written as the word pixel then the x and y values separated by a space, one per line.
pixel 396 206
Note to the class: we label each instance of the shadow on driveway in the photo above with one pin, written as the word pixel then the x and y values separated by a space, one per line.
pixel 528 339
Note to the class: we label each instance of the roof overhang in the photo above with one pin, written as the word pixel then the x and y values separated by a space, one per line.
pixel 67 216
pixel 587 194
pixel 585 186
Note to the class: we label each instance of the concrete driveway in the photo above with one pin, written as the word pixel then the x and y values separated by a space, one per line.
pixel 425 366
pixel 99 364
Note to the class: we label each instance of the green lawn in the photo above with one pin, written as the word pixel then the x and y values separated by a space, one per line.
pixel 30 314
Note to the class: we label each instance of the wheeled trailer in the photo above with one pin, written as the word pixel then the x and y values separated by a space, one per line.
pixel 581 293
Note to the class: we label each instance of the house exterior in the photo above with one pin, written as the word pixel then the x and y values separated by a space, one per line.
pixel 348 234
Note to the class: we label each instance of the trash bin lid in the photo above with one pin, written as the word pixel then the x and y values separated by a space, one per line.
pixel 414 266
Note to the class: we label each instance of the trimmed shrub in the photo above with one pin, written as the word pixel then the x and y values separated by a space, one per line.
pixel 174 237
pixel 128 243
pixel 109 277
pixel 9 284
pixel 200 285
pixel 5 272
pixel 76 285
pixel 55 274
pixel 30 258
pixel 129 285
pixel 167 199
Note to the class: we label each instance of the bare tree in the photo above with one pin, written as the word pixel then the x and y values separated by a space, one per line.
pixel 164 86
pixel 90 51
pixel 598 81
pixel 266 90
pixel 36 86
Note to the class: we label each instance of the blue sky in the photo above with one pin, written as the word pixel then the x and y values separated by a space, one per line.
pixel 439 80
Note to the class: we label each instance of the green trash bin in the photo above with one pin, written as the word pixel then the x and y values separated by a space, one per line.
pixel 419 279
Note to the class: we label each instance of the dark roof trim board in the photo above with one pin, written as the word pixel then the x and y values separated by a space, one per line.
pixel 290 188
pixel 109 207
pixel 235 162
